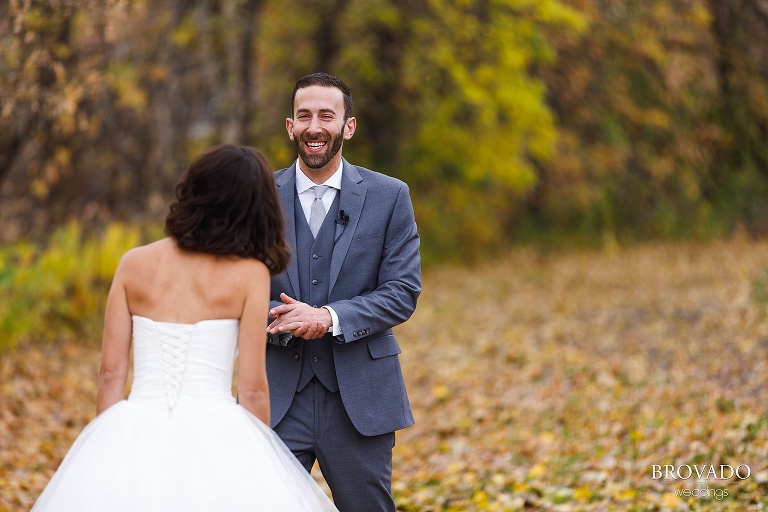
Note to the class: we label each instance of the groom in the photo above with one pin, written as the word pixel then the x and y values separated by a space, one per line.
pixel 336 388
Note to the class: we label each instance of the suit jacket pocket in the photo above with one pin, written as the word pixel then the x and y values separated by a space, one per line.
pixel 366 242
pixel 383 345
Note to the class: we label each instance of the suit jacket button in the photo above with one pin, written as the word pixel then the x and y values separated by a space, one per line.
pixel 295 356
pixel 314 281
pixel 315 256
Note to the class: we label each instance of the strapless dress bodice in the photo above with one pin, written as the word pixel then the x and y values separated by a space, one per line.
pixel 176 365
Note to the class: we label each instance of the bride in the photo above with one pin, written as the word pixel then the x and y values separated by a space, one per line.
pixel 189 305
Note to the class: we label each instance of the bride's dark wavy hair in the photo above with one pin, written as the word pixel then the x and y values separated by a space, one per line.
pixel 227 205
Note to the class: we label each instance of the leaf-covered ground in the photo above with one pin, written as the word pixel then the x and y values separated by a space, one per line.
pixel 543 381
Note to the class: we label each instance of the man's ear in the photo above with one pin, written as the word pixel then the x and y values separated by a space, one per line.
pixel 289 127
pixel 349 128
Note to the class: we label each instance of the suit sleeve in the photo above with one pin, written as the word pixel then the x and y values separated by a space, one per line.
pixel 393 300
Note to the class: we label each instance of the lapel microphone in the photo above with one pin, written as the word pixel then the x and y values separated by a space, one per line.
pixel 342 219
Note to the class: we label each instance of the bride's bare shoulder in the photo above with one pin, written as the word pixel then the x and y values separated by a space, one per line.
pixel 144 254
pixel 250 267
pixel 165 254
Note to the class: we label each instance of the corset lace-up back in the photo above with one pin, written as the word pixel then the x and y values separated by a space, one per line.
pixel 174 346
pixel 179 364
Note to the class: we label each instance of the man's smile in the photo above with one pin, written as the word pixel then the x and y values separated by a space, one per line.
pixel 316 145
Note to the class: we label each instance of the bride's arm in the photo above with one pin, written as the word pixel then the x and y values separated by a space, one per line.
pixel 252 386
pixel 115 344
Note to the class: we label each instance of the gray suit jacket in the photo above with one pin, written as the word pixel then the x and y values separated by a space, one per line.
pixel 375 281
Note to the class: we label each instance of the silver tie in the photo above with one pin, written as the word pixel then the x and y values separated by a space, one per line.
pixel 317 213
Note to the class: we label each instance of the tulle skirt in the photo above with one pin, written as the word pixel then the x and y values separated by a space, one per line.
pixel 214 457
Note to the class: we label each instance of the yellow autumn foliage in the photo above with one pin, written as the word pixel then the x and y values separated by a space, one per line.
pixel 58 291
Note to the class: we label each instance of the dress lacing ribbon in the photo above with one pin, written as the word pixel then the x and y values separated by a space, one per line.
pixel 174 347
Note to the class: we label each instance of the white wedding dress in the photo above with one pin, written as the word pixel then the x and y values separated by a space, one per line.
pixel 180 442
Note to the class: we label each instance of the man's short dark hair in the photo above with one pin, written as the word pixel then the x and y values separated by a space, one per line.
pixel 325 80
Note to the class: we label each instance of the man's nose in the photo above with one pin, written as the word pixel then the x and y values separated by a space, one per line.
pixel 314 125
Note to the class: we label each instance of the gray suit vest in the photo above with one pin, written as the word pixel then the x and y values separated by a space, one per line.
pixel 314 264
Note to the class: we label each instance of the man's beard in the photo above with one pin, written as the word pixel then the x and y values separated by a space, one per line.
pixel 318 160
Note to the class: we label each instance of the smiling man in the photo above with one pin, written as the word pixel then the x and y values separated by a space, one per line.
pixel 337 392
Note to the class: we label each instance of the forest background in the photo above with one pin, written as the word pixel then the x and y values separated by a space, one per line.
pixel 511 120
pixel 516 123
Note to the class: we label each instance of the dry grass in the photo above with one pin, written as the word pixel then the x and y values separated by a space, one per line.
pixel 555 381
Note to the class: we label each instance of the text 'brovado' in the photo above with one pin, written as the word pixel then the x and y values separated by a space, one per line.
pixel 699 471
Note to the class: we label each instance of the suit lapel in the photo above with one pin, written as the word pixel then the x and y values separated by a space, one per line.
pixel 351 201
pixel 286 189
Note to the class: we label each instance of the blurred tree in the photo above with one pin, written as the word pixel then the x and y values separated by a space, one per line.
pixel 739 180
pixel 480 119
pixel 105 101
pixel 443 96
pixel 46 100
pixel 444 100
pixel 661 113
pixel 632 101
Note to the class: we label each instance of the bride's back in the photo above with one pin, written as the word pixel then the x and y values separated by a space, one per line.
pixel 172 285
